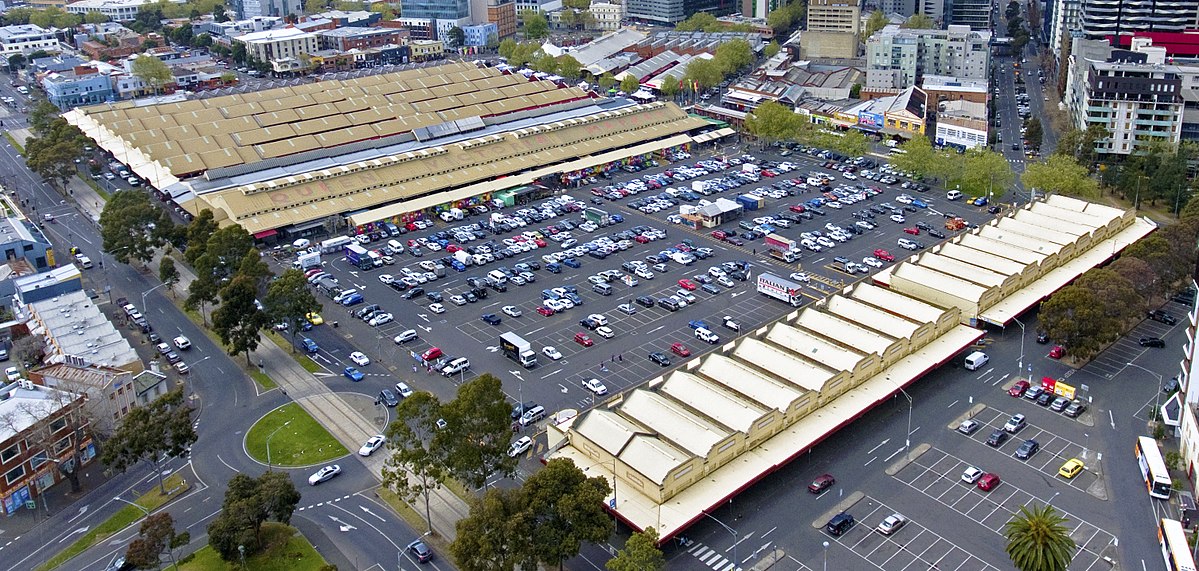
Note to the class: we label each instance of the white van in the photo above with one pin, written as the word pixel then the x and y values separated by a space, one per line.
pixel 497 276
pixel 953 195
pixel 532 415
pixel 976 361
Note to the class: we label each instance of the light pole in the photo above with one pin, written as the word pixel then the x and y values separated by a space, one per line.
pixel 907 441
pixel 1158 398
pixel 138 506
pixel 826 556
pixel 735 541
pixel 1020 361
pixel 147 292
pixel 268 444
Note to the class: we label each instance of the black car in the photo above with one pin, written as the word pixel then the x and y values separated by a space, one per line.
pixel 388 398
pixel 1027 449
pixel 1042 337
pixel 1045 398
pixel 420 551
pixel 660 358
pixel 434 296
pixel 491 319
pixel 1152 342
pixel 1163 316
pixel 936 234
pixel 521 408
pixel 588 323
pixel 414 292
pixel 997 437
pixel 645 301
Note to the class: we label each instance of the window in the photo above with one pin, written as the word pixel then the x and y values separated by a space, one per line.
pixel 10 453
pixel 57 425
pixel 39 459
pixel 15 475
pixel 62 445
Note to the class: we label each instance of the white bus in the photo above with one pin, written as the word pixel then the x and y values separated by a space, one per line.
pixel 1153 468
pixel 1175 551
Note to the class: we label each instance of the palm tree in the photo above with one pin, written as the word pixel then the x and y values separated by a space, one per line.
pixel 1037 540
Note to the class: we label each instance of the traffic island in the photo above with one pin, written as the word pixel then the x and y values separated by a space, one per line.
pixel 296 439
pixel 286 549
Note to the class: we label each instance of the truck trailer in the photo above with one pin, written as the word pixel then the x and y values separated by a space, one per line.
pixel 782 248
pixel 517 349
pixel 780 289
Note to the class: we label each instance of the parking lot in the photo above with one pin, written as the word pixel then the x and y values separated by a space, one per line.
pixel 446 311
pixel 913 546
pixel 1054 450
pixel 937 475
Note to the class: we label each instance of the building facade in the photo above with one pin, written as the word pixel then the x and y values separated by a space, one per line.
pixel 26 39
pixel 39 439
pixel 277 8
pixel 281 48
pixel 110 392
pixel 80 86
pixel 834 29
pixel 674 11
pixel 435 9
pixel 973 13
pixel 480 34
pixel 346 39
pixel 115 10
pixel 1103 18
pixel 608 15
pixel 898 58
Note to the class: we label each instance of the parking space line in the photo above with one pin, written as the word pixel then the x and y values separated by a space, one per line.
pixel 912 546
pixel 1056 447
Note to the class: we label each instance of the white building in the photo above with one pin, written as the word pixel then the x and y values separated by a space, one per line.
pixel 26 39
pixel 1067 17
pixel 961 124
pixel 282 48
pixel 116 10
pixel 608 15
pixel 896 57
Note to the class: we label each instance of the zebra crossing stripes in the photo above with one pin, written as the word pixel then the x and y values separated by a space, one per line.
pixel 712 558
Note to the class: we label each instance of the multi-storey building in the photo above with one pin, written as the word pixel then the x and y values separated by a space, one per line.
pixel 502 13
pixel 38 440
pixel 346 39
pixel 1067 17
pixel 1134 95
pixel 116 10
pixel 435 9
pixel 833 29
pixel 973 13
pixel 897 58
pixel 282 48
pixel 26 39
pixel 83 85
pixel 675 11
pixel 479 34
pixel 608 15
pixel 1103 18
pixel 279 8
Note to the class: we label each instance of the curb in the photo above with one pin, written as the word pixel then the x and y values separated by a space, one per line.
pixel 841 506
pixel 902 463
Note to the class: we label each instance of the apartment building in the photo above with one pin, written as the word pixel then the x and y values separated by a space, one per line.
pixel 1103 18
pixel 115 10
pixel 897 58
pixel 283 48
pixel 834 29
pixel 26 39
pixel 37 441
pixel 608 15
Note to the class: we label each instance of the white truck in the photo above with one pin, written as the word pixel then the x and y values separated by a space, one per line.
pixel 517 349
pixel 780 289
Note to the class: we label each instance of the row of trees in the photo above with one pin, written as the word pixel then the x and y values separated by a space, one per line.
pixel 977 172
pixel 1105 302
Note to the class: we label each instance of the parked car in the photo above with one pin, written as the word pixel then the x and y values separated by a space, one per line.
pixel 821 483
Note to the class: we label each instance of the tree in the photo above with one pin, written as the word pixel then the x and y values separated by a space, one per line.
pixel 1060 174
pixel 920 22
pixel 249 503
pixel 415 467
pixel 238 320
pixel 494 536
pixel 703 74
pixel 53 156
pixel 670 86
pixel 202 41
pixel 546 64
pixel 569 19
pixel 457 37
pixel 183 35
pixel 732 55
pixel 1038 540
pixel 288 300
pixel 1140 274
pixel 1080 144
pixel 131 227
pixel 1075 317
pixel 151 432
pixel 773 121
pixel 536 26
pixel 877 21
pixel 919 157
pixel 772 49
pixel 1117 296
pixel 152 72
pixel 564 510
pixel 569 67
pixel 252 266
pixel 630 84
pixel 168 273
pixel 640 553
pixel 156 535
pixel 16 61
pixel 983 172
pixel 780 20
pixel 606 81
pixel 853 143
pixel 698 22
pixel 42 117
pixel 1034 133
pixel 506 48
pixel 199 230
pixel 477 434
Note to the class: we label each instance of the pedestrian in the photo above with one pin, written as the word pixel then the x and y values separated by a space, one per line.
pixel 414 368
pixel 755 251
pixel 620 357
pixel 612 358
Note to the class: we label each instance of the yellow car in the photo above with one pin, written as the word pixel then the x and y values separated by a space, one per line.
pixel 315 318
pixel 1071 468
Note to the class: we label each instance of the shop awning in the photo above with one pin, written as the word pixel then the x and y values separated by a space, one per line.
pixel 712 135
pixel 265 234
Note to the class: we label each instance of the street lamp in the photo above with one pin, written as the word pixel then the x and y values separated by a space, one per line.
pixel 268 444
pixel 826 556
pixel 1157 399
pixel 907 441
pixel 147 292
pixel 1020 361
pixel 735 541
pixel 138 506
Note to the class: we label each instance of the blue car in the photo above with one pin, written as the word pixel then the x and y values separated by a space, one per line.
pixel 980 201
pixel 310 345
pixel 353 374
pixel 698 324
pixel 571 263
pixel 554 268
pixel 919 203
pixel 353 299
pixel 617 218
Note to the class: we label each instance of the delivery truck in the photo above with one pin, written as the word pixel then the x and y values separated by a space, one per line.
pixel 782 248
pixel 334 245
pixel 358 256
pixel 780 289
pixel 517 349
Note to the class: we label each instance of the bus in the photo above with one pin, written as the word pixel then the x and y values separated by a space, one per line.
pixel 1175 551
pixel 1153 468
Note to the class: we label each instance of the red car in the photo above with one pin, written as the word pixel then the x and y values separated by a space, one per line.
pixel 912 230
pixel 688 284
pixel 450 249
pixel 1018 389
pixel 797 208
pixel 583 339
pixel 432 353
pixel 884 255
pixel 641 239
pixel 1056 352
pixel 988 482
pixel 312 272
pixel 680 350
pixel 719 234
pixel 545 311
pixel 821 483
pixel 540 243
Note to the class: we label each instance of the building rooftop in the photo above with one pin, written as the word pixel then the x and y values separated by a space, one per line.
pixel 74 326
pixel 16 32
pixel 24 406
pixel 272 35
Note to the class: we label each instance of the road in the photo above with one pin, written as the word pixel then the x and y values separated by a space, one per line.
pixel 373 534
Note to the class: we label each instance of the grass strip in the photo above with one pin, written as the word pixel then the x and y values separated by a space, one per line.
pixel 286 549
pixel 299 440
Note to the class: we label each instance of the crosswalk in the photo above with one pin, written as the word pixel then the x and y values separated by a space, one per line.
pixel 712 558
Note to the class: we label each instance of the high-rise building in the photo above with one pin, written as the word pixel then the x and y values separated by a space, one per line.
pixel 834 27
pixel 502 13
pixel 246 9
pixel 973 13
pixel 897 58
pixel 675 11
pixel 435 9
pixel 1102 18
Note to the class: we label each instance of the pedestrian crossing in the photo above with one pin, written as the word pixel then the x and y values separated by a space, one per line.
pixel 712 558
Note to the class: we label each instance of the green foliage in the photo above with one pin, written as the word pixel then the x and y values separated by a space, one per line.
pixel 249 503
pixel 1039 540
pixel 151 432
pixel 494 537
pixel 535 25
pixel 415 468
pixel 920 22
pixel 238 320
pixel 167 272
pixel 1074 317
pixel 199 230
pixel 670 86
pixel 629 84
pixel 53 17
pixel 16 61
pixel 1080 144
pixel 52 155
pixel 132 228
pixel 506 48
pixel 156 536
pixel 921 158
pixel 640 553
pixel 773 121
pixel 564 510
pixel 698 22
pixel 877 21
pixel 855 91
pixel 457 37
pixel 771 49
pixel 1035 133
pixel 606 80
pixel 202 41
pixel 783 18
pixel 546 64
pixel 731 56
pixel 569 67
pixel 703 74
pixel 475 440
pixel 1173 460
pixel 981 171
pixel 1061 174
pixel 288 300
pixel 152 71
